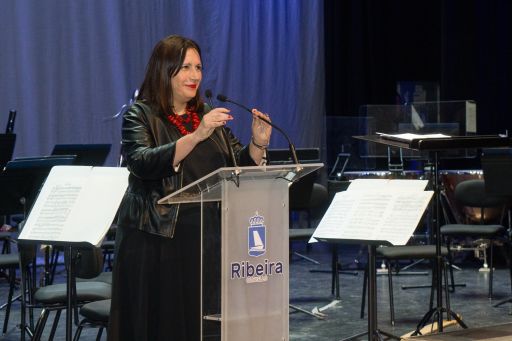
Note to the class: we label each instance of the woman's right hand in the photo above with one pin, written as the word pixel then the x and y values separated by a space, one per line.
pixel 217 117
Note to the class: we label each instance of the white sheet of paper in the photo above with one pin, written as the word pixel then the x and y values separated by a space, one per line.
pixel 387 185
pixel 388 211
pixel 410 137
pixel 470 117
pixel 76 204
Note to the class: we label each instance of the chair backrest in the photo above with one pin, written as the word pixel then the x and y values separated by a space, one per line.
pixel 300 192
pixel 497 170
pixel 89 261
pixel 27 253
pixel 472 193
pixel 89 264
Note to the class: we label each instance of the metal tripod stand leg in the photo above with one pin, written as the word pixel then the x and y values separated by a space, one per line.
pixel 435 315
pixel 374 334
pixel 319 316
pixel 426 286
pixel 414 264
pixel 335 271
pixel 309 259
pixel 437 312
pixel 509 299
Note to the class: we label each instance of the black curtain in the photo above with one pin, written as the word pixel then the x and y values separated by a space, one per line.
pixel 465 46
pixel 476 51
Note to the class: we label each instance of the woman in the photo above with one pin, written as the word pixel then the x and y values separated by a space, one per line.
pixel 169 139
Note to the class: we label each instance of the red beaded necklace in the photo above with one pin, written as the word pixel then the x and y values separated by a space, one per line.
pixel 179 121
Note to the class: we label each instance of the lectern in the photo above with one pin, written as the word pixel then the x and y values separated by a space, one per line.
pixel 254 267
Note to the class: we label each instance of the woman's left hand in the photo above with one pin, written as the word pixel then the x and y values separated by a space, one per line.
pixel 260 130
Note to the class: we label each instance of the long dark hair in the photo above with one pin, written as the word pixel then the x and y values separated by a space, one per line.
pixel 165 62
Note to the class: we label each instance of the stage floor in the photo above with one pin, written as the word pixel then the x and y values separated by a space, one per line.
pixel 502 332
pixel 312 291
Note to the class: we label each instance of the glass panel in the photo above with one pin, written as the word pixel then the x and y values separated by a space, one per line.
pixel 210 189
pixel 453 118
pixel 245 282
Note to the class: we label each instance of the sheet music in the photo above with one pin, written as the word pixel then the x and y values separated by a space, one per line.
pixel 390 211
pixel 387 184
pixel 52 216
pixel 76 204
pixel 409 137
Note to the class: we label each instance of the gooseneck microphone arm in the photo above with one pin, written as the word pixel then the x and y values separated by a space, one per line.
pixel 223 98
pixel 208 94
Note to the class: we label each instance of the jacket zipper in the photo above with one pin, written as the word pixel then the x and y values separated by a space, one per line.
pixel 177 209
pixel 220 148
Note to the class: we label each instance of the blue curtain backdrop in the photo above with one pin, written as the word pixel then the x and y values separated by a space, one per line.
pixel 67 66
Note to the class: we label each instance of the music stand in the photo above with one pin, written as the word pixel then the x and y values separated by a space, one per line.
pixel 96 189
pixel 86 154
pixel 498 181
pixel 371 213
pixel 21 182
pixel 22 179
pixel 7 142
pixel 435 146
pixel 373 332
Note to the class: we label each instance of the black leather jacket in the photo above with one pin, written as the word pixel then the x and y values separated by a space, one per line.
pixel 148 146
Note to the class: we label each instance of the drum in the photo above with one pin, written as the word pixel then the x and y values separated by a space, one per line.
pixel 417 175
pixel 460 214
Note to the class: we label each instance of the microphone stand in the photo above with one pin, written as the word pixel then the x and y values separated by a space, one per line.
pixel 291 147
pixel 236 172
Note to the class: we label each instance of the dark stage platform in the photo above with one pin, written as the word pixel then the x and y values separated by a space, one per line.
pixel 502 332
pixel 312 291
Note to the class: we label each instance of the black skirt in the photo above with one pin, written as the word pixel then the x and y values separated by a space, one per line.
pixel 156 283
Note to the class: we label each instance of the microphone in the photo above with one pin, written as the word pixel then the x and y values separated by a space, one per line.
pixel 208 94
pixel 9 129
pixel 223 98
pixel 125 106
